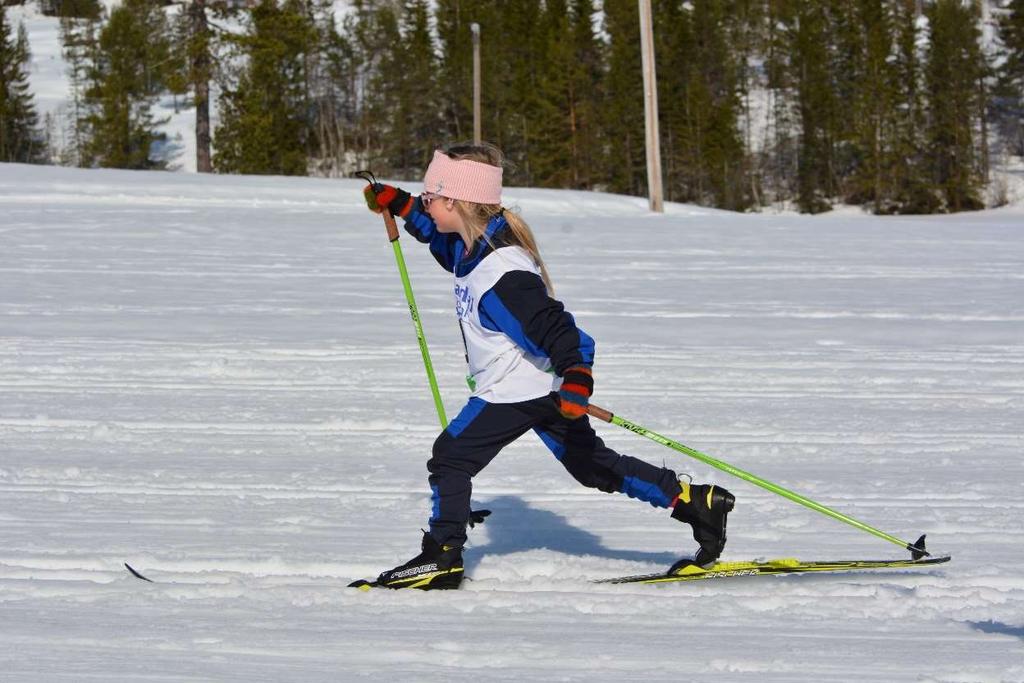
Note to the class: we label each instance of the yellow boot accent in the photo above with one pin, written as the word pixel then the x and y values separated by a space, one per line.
pixel 685 495
pixel 710 491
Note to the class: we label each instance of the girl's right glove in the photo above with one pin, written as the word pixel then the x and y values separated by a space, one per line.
pixel 380 196
pixel 574 396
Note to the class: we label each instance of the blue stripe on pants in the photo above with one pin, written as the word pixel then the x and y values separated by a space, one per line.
pixel 466 416
pixel 552 443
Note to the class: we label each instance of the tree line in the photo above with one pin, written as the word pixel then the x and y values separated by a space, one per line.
pixel 889 104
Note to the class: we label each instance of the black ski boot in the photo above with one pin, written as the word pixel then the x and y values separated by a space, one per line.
pixel 436 567
pixel 705 508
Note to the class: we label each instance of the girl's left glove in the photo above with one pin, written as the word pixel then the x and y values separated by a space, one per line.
pixel 574 396
pixel 394 199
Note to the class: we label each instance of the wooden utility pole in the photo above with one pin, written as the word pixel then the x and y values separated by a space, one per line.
pixel 477 137
pixel 650 108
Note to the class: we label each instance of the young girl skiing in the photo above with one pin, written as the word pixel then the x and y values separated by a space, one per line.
pixel 530 368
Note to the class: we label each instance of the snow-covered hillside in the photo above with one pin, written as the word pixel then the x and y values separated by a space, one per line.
pixel 216 379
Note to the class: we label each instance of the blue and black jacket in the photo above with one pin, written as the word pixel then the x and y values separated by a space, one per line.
pixel 518 305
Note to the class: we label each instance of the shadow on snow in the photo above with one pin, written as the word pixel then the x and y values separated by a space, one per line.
pixel 516 527
pixel 997 627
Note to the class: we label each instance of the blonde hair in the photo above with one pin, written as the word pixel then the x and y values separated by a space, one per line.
pixel 476 216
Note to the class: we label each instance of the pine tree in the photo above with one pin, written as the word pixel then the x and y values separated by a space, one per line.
pixel 80 46
pixel 125 77
pixel 812 59
pixel 520 44
pixel 453 19
pixel 585 76
pixel 194 51
pixel 867 87
pixel 264 124
pixel 954 68
pixel 414 93
pixel 513 48
pixel 675 51
pixel 551 152
pixel 623 103
pixel 72 9
pixel 21 139
pixel 717 159
pixel 910 191
pixel 376 36
pixel 1009 93
pixel 779 159
pixel 746 35
pixel 336 101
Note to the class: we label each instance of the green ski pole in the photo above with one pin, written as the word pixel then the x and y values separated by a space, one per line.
pixel 916 549
pixel 392 228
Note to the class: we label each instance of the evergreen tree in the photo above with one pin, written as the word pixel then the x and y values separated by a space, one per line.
pixel 72 9
pixel 413 94
pixel 265 127
pixel 779 159
pixel 453 19
pixel 125 77
pixel 514 47
pixel 336 101
pixel 623 103
pixel 909 187
pixel 746 35
pixel 520 44
pixel 562 145
pixel 80 46
pixel 810 33
pixel 675 49
pixel 585 75
pixel 398 110
pixel 953 71
pixel 21 139
pixel 1009 93
pixel 376 36
pixel 867 87
pixel 699 106
pixel 194 46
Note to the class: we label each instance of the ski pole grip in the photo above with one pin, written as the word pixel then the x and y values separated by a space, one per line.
pixel 599 413
pixel 392 227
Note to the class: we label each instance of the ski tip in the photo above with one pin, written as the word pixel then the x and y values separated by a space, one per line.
pixel 361 584
pixel 136 574
pixel 917 550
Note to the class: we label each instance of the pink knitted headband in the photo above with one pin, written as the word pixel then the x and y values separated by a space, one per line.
pixel 471 181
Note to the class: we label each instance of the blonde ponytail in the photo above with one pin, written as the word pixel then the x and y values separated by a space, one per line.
pixel 476 216
pixel 523 236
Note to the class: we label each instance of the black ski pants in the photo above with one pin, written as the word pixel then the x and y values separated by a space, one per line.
pixel 482 429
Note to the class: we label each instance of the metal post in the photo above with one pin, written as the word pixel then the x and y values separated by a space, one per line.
pixel 475 28
pixel 650 108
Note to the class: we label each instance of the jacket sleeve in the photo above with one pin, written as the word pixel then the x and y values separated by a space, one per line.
pixel 518 305
pixel 420 225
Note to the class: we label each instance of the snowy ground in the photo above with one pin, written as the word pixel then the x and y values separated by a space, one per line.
pixel 216 379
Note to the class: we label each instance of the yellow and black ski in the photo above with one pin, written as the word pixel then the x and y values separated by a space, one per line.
pixel 729 570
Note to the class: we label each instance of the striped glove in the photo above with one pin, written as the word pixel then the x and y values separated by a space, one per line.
pixel 574 396
pixel 379 197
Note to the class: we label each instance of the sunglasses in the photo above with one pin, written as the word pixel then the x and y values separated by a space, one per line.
pixel 428 197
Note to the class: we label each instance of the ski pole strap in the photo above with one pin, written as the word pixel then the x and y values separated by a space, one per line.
pixel 608 416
